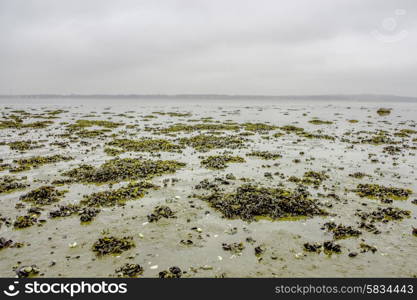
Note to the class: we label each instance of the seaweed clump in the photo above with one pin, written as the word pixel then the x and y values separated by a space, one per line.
pixel 310 178
pixel 233 247
pixel 341 231
pixel 18 124
pixel 129 270
pixel 328 247
pixel 145 145
pixel 250 201
pixel 112 245
pixel 24 145
pixel 80 124
pixel 220 161
pixel 204 142
pixel 10 184
pixel 37 161
pixel 118 169
pixel 87 214
pixel 267 155
pixel 159 212
pixel 199 127
pixel 319 122
pixel 5 243
pixel 384 215
pixel 64 211
pixel 133 190
pixel 43 195
pixel 382 192
pixel 173 272
pixel 258 127
pixel 24 221
pixel 383 111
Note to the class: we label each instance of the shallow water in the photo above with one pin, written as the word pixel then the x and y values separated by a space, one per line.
pixel 158 243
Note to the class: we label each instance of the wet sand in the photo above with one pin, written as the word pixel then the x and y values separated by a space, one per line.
pixel 62 247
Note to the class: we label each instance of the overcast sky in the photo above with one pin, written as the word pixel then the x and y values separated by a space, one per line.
pixel 208 46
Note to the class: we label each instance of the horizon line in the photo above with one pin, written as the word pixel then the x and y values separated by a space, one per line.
pixel 74 95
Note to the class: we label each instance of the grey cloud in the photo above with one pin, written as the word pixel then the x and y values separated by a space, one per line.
pixel 207 46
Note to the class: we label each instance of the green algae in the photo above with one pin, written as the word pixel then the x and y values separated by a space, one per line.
pixel 7 124
pixel 205 142
pixel 112 245
pixel 80 124
pixel 113 151
pixel 43 195
pixel 319 122
pixel 129 270
pixel 92 133
pixel 267 155
pixel 161 211
pixel 117 170
pixel 310 135
pixel 250 201
pixel 382 192
pixel 199 127
pixel 341 231
pixel 133 190
pixel 24 221
pixel 258 127
pixel 220 162
pixel 145 145
pixel 24 145
pixel 36 161
pixel 291 129
pixel 9 184
pixel 383 111
pixel 310 178
pixel 384 214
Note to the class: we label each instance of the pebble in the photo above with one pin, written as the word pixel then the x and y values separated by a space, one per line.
pixel 72 245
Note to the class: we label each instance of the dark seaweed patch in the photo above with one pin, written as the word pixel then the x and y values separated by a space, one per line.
pixel 250 201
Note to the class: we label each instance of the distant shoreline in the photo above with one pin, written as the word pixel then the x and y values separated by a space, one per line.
pixel 335 97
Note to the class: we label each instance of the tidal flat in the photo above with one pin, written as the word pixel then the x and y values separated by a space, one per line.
pixel 233 188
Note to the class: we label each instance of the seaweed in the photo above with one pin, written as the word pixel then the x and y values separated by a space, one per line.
pixel 199 127
pixel 37 161
pixel 383 111
pixel 319 122
pixel 310 178
pixel 220 161
pixel 258 127
pixel 250 201
pixel 233 247
pixel 173 272
pixel 159 212
pixel 145 145
pixel 43 195
pixel 24 221
pixel 267 155
pixel 24 145
pixel 133 190
pixel 80 124
pixel 382 192
pixel 205 142
pixel 129 270
pixel 341 231
pixel 384 214
pixel 112 245
pixel 118 169
pixel 10 184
